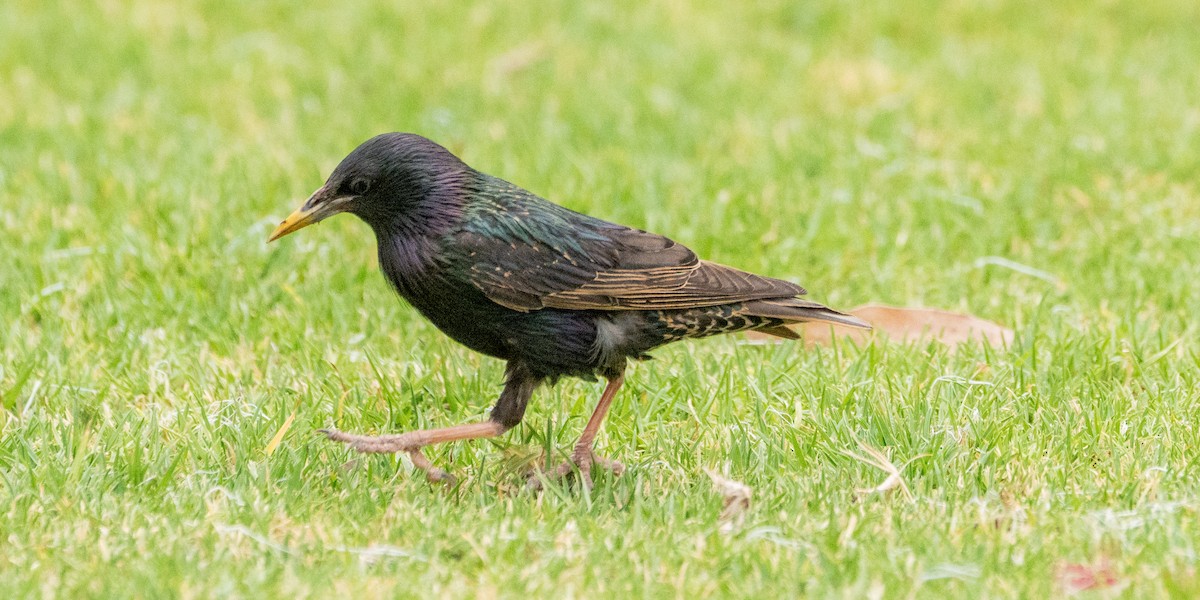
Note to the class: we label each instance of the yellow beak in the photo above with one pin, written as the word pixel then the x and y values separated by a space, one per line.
pixel 295 221
pixel 315 209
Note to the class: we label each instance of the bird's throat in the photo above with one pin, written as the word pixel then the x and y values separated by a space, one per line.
pixel 407 261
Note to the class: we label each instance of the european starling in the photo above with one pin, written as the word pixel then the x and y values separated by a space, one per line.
pixel 551 291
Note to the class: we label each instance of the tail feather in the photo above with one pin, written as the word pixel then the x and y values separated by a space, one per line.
pixel 780 331
pixel 767 316
pixel 797 310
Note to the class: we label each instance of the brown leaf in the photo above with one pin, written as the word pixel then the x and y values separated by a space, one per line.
pixel 903 325
pixel 1073 578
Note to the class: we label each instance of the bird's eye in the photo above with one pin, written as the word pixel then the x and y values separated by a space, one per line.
pixel 360 186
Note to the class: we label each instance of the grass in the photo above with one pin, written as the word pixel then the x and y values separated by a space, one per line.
pixel 154 345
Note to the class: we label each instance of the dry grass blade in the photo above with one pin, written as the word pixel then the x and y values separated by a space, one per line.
pixel 880 461
pixel 283 429
pixel 736 496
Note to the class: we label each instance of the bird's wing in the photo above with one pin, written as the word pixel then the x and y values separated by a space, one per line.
pixel 552 257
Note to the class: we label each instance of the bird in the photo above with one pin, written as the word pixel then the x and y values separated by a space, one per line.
pixel 552 292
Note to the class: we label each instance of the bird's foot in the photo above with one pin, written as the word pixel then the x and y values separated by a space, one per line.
pixel 391 444
pixel 582 461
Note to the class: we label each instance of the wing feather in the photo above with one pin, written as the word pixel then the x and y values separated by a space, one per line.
pixel 562 259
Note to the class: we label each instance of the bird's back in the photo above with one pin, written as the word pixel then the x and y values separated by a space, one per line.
pixel 522 277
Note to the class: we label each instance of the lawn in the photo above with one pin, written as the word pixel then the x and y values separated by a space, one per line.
pixel 163 370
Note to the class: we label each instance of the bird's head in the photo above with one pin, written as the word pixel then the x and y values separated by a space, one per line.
pixel 386 180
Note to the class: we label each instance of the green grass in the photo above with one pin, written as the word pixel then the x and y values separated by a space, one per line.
pixel 153 344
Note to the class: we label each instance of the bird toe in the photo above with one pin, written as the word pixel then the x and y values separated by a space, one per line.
pixel 580 464
pixel 437 475
pixel 332 434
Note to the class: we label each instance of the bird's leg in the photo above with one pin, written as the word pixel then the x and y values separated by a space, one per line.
pixel 582 457
pixel 518 387
pixel 413 441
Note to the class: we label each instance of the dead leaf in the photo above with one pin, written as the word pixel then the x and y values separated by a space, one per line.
pixel 737 500
pixel 902 325
pixel 1073 578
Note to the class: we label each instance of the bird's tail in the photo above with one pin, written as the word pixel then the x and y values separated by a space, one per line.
pixel 767 316
pixel 797 310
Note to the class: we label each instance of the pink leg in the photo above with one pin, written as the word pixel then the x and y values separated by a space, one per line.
pixel 582 457
pixel 413 441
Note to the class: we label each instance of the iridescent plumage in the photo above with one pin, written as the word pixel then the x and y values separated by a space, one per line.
pixel 552 291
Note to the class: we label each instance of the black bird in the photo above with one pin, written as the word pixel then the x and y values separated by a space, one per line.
pixel 551 291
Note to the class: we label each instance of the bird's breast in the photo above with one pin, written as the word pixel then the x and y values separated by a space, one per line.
pixel 407 263
pixel 457 310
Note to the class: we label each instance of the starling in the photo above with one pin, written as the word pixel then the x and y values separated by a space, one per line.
pixel 548 290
